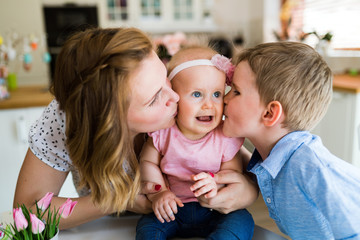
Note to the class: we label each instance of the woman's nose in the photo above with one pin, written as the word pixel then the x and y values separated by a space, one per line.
pixel 173 97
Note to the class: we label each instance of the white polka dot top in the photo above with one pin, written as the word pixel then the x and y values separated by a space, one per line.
pixel 47 138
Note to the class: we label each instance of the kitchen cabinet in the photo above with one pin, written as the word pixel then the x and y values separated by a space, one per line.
pixel 16 117
pixel 161 16
pixel 340 127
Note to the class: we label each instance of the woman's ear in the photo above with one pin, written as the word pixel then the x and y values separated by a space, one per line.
pixel 272 113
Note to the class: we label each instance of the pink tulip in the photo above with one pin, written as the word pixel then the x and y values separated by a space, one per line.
pixel 2 234
pixel 19 218
pixel 44 203
pixel 37 226
pixel 67 208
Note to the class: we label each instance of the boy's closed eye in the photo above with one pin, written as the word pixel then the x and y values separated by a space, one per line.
pixel 236 92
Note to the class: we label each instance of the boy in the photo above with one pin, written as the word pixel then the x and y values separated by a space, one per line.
pixel 280 91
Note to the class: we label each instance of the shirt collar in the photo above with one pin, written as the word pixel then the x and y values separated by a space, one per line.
pixel 280 153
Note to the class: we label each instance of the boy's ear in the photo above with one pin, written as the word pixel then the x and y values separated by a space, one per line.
pixel 272 113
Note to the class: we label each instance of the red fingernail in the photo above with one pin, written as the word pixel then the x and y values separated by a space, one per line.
pixel 211 174
pixel 157 187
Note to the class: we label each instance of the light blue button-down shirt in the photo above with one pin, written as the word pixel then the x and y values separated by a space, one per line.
pixel 310 193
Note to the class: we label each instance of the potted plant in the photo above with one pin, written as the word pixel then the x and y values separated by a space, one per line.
pixel 29 226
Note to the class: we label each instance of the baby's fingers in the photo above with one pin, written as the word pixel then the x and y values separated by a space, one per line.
pixel 170 213
pixel 158 215
pixel 200 176
pixel 179 202
pixel 205 189
pixel 208 179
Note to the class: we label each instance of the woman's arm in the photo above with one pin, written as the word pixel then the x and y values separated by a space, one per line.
pixel 240 191
pixel 36 179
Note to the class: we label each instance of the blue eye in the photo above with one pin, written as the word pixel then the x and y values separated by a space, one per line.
pixel 217 94
pixel 196 94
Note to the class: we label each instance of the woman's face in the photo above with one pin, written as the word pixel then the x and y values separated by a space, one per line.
pixel 153 104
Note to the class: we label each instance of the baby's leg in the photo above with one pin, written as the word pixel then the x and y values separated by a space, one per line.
pixel 149 227
pixel 235 225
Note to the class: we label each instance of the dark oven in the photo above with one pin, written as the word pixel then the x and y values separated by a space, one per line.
pixel 61 21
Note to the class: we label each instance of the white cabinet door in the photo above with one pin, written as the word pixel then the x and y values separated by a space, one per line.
pixel 14 128
pixel 340 127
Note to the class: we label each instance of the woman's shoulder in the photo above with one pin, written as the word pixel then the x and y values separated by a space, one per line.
pixel 47 138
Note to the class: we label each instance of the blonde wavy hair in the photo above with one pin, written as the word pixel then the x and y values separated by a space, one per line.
pixel 91 84
pixel 295 75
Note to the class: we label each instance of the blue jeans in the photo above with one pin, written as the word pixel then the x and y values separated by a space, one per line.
pixel 193 220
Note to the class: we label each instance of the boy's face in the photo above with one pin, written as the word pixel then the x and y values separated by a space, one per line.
pixel 243 107
pixel 200 109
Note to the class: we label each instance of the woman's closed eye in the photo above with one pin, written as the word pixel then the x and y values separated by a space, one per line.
pixel 155 99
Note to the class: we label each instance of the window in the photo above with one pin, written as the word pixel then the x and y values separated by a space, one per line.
pixel 183 9
pixel 117 10
pixel 150 9
pixel 341 18
pixel 161 16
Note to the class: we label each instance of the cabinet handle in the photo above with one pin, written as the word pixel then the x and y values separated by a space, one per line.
pixel 359 136
pixel 21 130
pixel 338 95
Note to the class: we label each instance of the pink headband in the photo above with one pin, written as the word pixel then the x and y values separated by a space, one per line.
pixel 220 62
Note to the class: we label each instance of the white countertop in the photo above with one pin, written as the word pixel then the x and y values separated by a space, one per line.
pixel 122 228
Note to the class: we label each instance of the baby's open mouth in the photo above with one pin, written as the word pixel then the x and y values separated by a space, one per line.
pixel 204 118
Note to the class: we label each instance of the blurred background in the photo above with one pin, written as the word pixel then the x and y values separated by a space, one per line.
pixel 32 33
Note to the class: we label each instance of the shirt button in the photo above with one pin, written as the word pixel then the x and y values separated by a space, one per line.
pixel 268 200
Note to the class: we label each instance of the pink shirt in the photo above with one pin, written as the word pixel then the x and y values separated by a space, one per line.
pixel 182 157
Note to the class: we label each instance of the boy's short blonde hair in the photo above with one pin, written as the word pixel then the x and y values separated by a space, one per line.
pixel 295 75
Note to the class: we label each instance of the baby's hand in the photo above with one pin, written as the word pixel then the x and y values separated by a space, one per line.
pixel 165 206
pixel 204 184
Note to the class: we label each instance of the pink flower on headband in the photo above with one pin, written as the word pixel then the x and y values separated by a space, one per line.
pixel 224 64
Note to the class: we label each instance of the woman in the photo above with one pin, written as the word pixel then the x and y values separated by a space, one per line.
pixel 109 87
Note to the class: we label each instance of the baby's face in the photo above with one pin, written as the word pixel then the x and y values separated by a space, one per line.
pixel 200 108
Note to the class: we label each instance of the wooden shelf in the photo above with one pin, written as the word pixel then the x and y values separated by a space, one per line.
pixel 29 96
pixel 347 83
